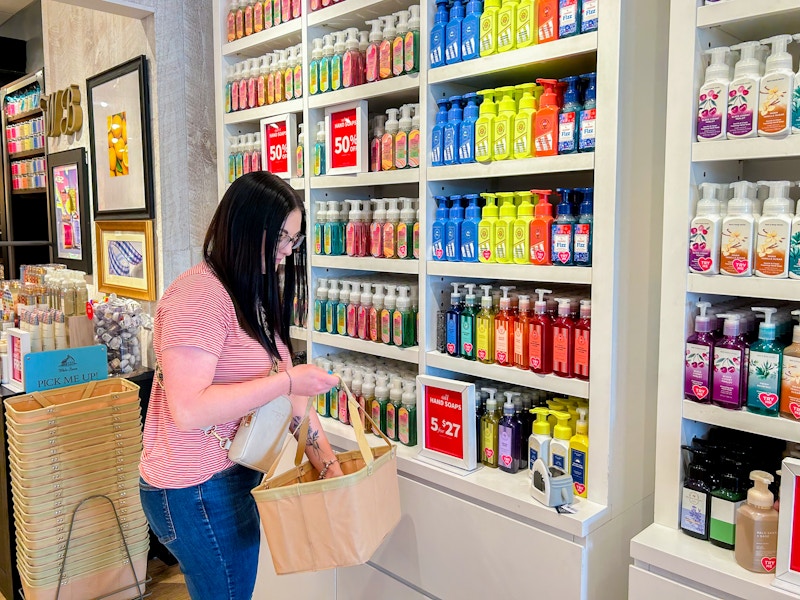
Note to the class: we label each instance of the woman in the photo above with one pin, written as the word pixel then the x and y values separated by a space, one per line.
pixel 218 329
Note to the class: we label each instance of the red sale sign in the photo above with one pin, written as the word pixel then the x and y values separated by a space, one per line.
pixel 277 158
pixel 344 145
pixel 444 411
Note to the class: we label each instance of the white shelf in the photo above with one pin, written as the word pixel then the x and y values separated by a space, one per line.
pixel 298 183
pixel 700 561
pixel 254 115
pixel 742 420
pixel 748 20
pixel 298 333
pixel 753 287
pixel 549 383
pixel 354 263
pixel 512 168
pixel 576 275
pixel 275 38
pixel 400 176
pixel 354 13
pixel 753 149
pixel 491 486
pixel 398 87
pixel 409 355
pixel 571 55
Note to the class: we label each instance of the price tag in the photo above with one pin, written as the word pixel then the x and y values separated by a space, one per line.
pixel 346 138
pixel 448 421
pixel 278 144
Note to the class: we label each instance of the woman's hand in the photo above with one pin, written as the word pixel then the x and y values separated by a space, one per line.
pixel 310 380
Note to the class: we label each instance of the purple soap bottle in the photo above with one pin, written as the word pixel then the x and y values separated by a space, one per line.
pixel 698 374
pixel 729 386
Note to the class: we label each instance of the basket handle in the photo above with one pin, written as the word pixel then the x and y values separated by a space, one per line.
pixel 302 430
pixel 358 426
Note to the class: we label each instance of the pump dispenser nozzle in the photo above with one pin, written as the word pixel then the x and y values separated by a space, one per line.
pixel 779 58
pixel 759 495
pixel 540 306
pixel 702 323
pixel 766 330
pixel 719 69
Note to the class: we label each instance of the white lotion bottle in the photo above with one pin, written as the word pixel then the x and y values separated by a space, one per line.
pixel 705 233
pixel 712 105
pixel 738 231
pixel 777 86
pixel 773 232
pixel 743 93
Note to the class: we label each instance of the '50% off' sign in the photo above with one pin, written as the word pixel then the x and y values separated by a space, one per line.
pixel 277 150
pixel 345 140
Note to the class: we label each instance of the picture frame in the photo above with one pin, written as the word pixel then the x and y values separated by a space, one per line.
pixel 347 138
pixel 69 209
pixel 120 142
pixel 787 567
pixel 126 259
pixel 279 145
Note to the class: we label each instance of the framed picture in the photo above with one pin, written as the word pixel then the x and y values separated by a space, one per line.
pixel 119 126
pixel 787 567
pixel 347 135
pixel 126 259
pixel 69 209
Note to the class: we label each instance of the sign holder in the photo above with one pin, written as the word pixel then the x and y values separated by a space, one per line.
pixel 448 430
pixel 787 568
pixel 279 145
pixel 347 141
pixel 19 345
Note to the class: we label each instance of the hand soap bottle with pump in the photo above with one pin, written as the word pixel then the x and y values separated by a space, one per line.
pixel 790 380
pixel 584 229
pixel 539 441
pixel 523 122
pixel 757 527
pixel 764 371
pixel 563 338
pixel 588 115
pixel 490 431
pixel 398 44
pixel 738 232
pixel 540 336
pixel 484 128
pixel 504 331
pixel 471 31
pixel 388 141
pixel 705 233
pixel 582 342
pixel 375 143
pixel 467 324
pixel 484 324
pixel 438 230
pixel 563 232
pixel 559 446
pixel 777 87
pixel 526 34
pixel 411 45
pixel 372 60
pixel 773 232
pixel 385 49
pixel 507 26
pixel 452 49
pixel 541 229
pixel 453 321
pixel 319 150
pixel 437 134
pixel 488 31
pixel 579 455
pixel 504 124
pixel 699 356
pixel 546 120
pixel 486 229
pixel 521 233
pixel 504 229
pixel 401 139
pixel 466 133
pixel 712 107
pixel 469 230
pixel 729 384
pixel 452 129
pixel 568 119
pixel 508 445
pixel 744 90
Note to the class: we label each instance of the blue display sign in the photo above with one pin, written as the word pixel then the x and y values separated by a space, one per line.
pixel 60 368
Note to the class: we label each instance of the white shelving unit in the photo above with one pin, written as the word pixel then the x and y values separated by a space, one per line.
pixel 667 563
pixel 627 177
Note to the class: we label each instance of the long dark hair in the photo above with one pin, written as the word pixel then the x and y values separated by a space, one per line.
pixel 253 209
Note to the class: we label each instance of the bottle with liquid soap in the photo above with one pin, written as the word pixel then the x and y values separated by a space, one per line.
pixel 484 127
pixel 452 249
pixel 504 228
pixel 467 320
pixel 387 314
pixel 504 124
pixel 588 115
pixel 484 323
pixel 385 49
pixel 452 49
pixel 411 45
pixel 392 408
pixel 508 443
pixel 388 141
pixel 319 150
pixel 773 232
pixel 414 138
pixel 582 343
pixel 790 379
pixel 451 131
pixel 569 117
pixel 546 120
pixel 401 139
pixel 696 495
pixel 488 28
pixel 547 16
pixel 407 417
pixel 490 431
pixel 744 91
pixel 764 368
pixel 712 107
pixel 526 34
pixel 540 336
pixel 738 232
pixel 563 233
pixel 521 235
pixel 504 323
pixel 699 356
pixel 559 446
pixel 507 26
pixel 757 527
pixel 469 230
pixel 777 87
pixel 729 388
pixel 539 441
pixel 399 42
pixel 390 229
pixel 487 229
pixel 584 229
pixel 453 320
pixel 405 229
pixel 437 133
pixel 705 233
pixel 471 31
pixel 563 340
pixel 521 331
pixel 438 38
pixel 569 17
pixel 579 455
pixel 523 122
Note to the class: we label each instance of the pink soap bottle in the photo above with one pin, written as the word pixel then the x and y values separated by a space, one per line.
pixel 351 61
pixel 350 228
pixel 376 229
pixel 375 143
pixel 364 309
pixel 373 58
pixel 363 229
pixel 352 311
pixel 563 336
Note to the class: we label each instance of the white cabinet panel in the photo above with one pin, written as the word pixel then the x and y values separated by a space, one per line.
pixel 366 583
pixel 644 585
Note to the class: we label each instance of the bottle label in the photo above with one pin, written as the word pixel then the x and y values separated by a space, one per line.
pixel 772 248
pixel 589 17
pixel 522 137
pixel 336 73
pixel 397 328
pixel 325 75
pixel 764 380
pixel 398 59
pixel 402 425
pixel 278 87
pixel 587 135
pixel 389 240
pixel 349 239
pixel 401 150
pixel 487 42
pixel 288 84
pixel 790 387
pixel 243 95
pixel 413 148
pixel 700 257
pixel 410 53
pixel 376 240
pixel 500 134
pixel 467 336
pixel 231 27
pixel 582 339
pixel 583 240
pixel 373 325
pixel 313 79
pixel 300 162
pixel 536 346
pixel 483 141
pixel 469 39
pixel 794 252
pixel 520 248
pixel 547 22
pixel 697 375
pixel 484 339
pixel 501 349
pixel 333 406
pixel 468 242
pixel 485 243
pixel 520 345
pixel 544 141
pixel 235 96
pixel 341 318
pixel 386 327
pixel 391 421
pixel 363 319
pixel 505 32
pixel 774 99
pixel 352 320
pixel 736 250
pixel 568 18
pixel 298 81
pixel 348 70
pixel 267 14
pixel 560 347
pixel 505 446
pixel 376 412
pixel 239 24
pixel 415 236
pixel 342 405
pixel 533 455
pixel 727 376
pixel 694 507
pixel 372 62
pixel 261 93
pixel 742 104
pixel 489 449
pixel 722 527
pixel 453 329
pixel 566 132
pixel 286 10
pixel 385 60
pixel 560 462
pixel 562 244
pixel 271 88
pixel 524 25
pixel 402 240
pixel 577 468
pixel 330 317
pixel 387 152
pixel 319 308
pixel 500 243
pixel 711 108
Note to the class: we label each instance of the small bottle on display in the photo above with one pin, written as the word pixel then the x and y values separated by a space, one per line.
pixel 563 231
pixel 372 63
pixel 398 43
pixel 411 41
pixel 407 417
pixel 764 368
pixel 301 156
pixel 730 362
pixel 319 150
pixel 563 340
pixel 490 431
pixel 385 48
pixel 389 304
pixel 453 319
pixel 582 344
pixel 414 138
pixel 508 434
pixel 757 527
pixel 504 331
pixel 392 408
pixel 378 408
pixel 467 324
pixel 484 324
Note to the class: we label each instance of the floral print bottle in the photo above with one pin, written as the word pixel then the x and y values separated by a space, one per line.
pixel 712 105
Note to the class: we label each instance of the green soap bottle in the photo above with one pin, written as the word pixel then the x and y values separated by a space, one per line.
pixel 407 417
pixel 468 329
pixel 725 501
pixel 323 399
pixel 490 431
pixel 378 406
pixel 330 309
pixel 341 309
pixel 764 370
pixel 392 408
pixel 403 321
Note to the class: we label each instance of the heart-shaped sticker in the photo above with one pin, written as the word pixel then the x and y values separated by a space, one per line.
pixel 487 254
pixel 489 453
pixel 535 362
pixel 700 391
pixel 439 253
pixel 795 408
pixel 740 265
pixel 482 354
pixel 539 255
pixel 451 348
pixel 468 348
pixel 501 357
pixel 563 257
pixel 705 263
pixel 506 460
pixel 768 400
pixel 579 488
pixel 768 562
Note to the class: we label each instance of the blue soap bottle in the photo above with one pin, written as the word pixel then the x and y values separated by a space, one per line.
pixel 437 134
pixel 438 32
pixel 453 322
pixel 586 132
pixel 466 135
pixel 569 17
pixel 569 116
pixel 452 249
pixel 469 230
pixel 471 30
pixel 452 129
pixel 438 232
pixel 452 48
pixel 563 229
pixel 583 230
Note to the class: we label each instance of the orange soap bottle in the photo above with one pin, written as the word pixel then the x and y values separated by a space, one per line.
pixel 546 120
pixel 504 330
pixel 548 20
pixel 541 229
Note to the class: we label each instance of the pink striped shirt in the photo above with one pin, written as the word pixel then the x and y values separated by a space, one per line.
pixel 197 311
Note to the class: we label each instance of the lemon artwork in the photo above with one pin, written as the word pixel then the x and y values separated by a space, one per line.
pixel 117 144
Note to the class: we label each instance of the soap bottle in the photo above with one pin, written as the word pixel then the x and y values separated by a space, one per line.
pixel 231 90
pixel 337 60
pixel 258 16
pixel 504 331
pixel 490 431
pixel 288 76
pixel 559 446
pixel 301 151
pixel 375 143
pixel 438 37
pixel 738 232
pixel 764 368
pixel 705 233
pixel 486 229
pixel 757 527
pixel 385 49
pixel 407 417
pixel 563 338
pixel 507 26
pixel 526 34
pixel 392 407
pixel 279 76
pixel 313 67
pixel 790 380
pixel 437 134
pixel 569 15
pixel 588 115
pixel 582 343
pixel 378 408
pixel 504 228
pixel 488 27
pixel 389 303
pixel 399 42
pixel 325 64
pixel 726 498
pixel 375 314
pixel 364 308
pixel 484 127
pixel 777 87
pixel 794 247
pixel 244 86
pixel 320 305
pixel 411 44
pixel 469 230
pixel 451 130
pixel 508 444
pixel 582 254
pixel 589 16
pixel 547 16
pixel 415 235
pixel 471 31
pixel 563 232
pixel 452 48
pixel 343 413
pixel 405 229
pixel 376 229
pixel 401 139
pixel 269 20
pixel 773 232
pixel 539 441
pixel 546 120
pixel 372 62
pixel 467 320
pixel 522 230
pixel 390 229
pixel 319 150
pixel 231 20
pixel 712 108
pixel 353 308
pixel 743 95
pixel 521 333
pixel 298 72
pixel 240 33
pixel 453 319
pixel 352 61
pixel 341 309
pixel 696 495
pixel 568 119
pixel 540 336
pixel 523 122
pixel 730 366
pixel 438 230
pixel 387 141
pixel 504 124
pixel 699 353
pixel 579 455
pixel 332 307
pixel 484 324
pixel 333 244
pixel 542 229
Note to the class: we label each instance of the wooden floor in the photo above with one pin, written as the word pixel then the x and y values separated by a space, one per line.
pixel 167 582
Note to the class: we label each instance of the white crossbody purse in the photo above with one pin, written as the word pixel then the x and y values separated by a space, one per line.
pixel 261 434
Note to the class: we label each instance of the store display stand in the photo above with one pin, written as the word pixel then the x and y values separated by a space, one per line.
pixel 521 544
pixel 668 563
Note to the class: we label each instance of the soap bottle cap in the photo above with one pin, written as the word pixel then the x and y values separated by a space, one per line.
pixel 391 299
pixel 507 104
pixel 321 131
pixel 732 326
pixel 414 21
pixel 564 307
pixel 402 21
pixel 543 207
pixel 316 51
pixel 333 291
pixel 376 35
pixel 759 495
pixel 363 41
pixel 778 202
pixel 488 106
pixel 719 69
pixel 525 208
pixel 301 137
pixel 708 204
pixel 473 210
pixel 540 306
pixel 549 97
pixel 582 426
pixel 541 426
pixel 416 119
pixel 779 59
pixel 455 113
pixel 389 30
pixel 409 393
pixel 366 294
pixel 562 430
pixel 380 123
pixel 456 210
pixel 505 301
pixel 766 330
pixel 378 297
pixel 322 289
pixel 490 210
pixel 508 406
pixel 455 297
pixel 403 301
pixel 486 299
pixel 524 303
pixel 405 118
pixel 470 296
pixel 590 93
pixel 571 94
pixel 441 115
pixel 527 101
pixel 507 208
pixel 393 214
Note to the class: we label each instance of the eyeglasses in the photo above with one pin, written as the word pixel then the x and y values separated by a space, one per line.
pixel 295 241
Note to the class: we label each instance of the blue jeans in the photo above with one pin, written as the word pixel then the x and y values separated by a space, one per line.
pixel 213 531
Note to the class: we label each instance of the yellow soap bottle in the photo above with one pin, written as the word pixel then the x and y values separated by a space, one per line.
pixel 527 24
pixel 504 124
pixel 507 26
pixel 484 128
pixel 522 230
pixel 504 228
pixel 523 122
pixel 486 229
pixel 579 455
pixel 488 28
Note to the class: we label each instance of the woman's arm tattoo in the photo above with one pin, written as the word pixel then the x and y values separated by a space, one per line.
pixel 312 440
